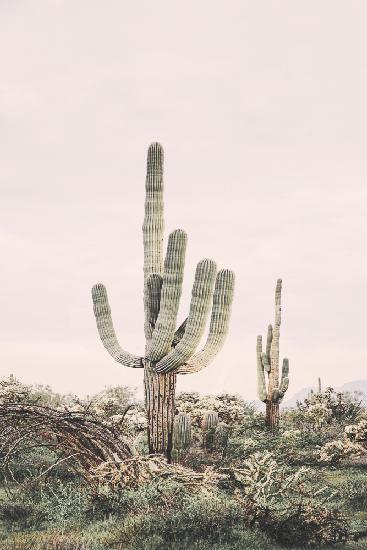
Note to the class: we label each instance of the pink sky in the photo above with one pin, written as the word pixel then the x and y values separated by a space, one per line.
pixel 261 108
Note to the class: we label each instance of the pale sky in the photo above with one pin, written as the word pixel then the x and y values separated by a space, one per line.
pixel 261 108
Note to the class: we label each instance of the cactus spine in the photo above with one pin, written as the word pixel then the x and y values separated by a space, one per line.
pixel 168 351
pixel 208 426
pixel 181 436
pixel 272 392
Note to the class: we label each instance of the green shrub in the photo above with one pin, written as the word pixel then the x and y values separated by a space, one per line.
pixel 205 517
pixel 354 490
pixel 43 541
pixel 17 515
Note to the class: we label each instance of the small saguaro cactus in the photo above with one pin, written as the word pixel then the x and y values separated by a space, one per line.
pixel 221 437
pixel 181 436
pixel 272 392
pixel 208 426
pixel 319 389
pixel 168 351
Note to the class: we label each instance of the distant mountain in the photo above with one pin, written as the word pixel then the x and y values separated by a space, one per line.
pixel 356 385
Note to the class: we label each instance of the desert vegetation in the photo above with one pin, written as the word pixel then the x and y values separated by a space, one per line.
pixel 85 479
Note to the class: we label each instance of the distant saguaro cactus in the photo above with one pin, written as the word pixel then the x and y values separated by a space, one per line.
pixel 208 426
pixel 272 392
pixel 181 436
pixel 168 351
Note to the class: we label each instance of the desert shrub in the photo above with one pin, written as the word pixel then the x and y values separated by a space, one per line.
pixel 43 541
pixel 158 495
pixel 17 515
pixel 231 409
pixel 119 406
pixel 64 503
pixel 313 526
pixel 293 446
pixel 56 503
pixel 201 517
pixel 354 490
pixel 334 452
pixel 337 407
pixel 317 415
pixel 285 502
pixel 298 447
pixel 13 391
pixel 357 432
pixel 154 536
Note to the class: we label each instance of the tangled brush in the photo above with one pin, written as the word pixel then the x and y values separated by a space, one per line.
pixel 139 470
pixel 79 437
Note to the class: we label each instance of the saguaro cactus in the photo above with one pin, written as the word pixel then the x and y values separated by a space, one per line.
pixel 273 391
pixel 181 436
pixel 208 426
pixel 221 437
pixel 168 351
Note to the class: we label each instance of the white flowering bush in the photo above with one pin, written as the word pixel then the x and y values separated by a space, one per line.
pixel 135 420
pixel 357 432
pixel 231 408
pixel 337 450
pixel 13 391
pixel 317 415
pixel 291 435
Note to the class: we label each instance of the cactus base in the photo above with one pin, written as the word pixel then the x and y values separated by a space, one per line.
pixel 272 415
pixel 160 406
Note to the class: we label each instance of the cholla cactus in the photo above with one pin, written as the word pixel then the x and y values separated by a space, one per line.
pixel 339 449
pixel 208 426
pixel 181 436
pixel 268 362
pixel 168 351
pixel 357 432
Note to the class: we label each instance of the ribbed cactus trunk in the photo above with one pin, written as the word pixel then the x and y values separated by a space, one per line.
pixel 168 351
pixel 273 392
pixel 160 406
pixel 272 415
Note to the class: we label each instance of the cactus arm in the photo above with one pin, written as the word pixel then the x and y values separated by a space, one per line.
pixel 153 225
pixel 274 350
pixel 179 333
pixel 200 302
pixel 265 361
pixel 219 323
pixel 284 382
pixel 106 331
pixel 170 296
pixel 261 383
pixel 154 285
pixel 269 340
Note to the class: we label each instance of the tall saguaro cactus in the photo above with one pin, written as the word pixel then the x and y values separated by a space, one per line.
pixel 168 351
pixel 272 392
